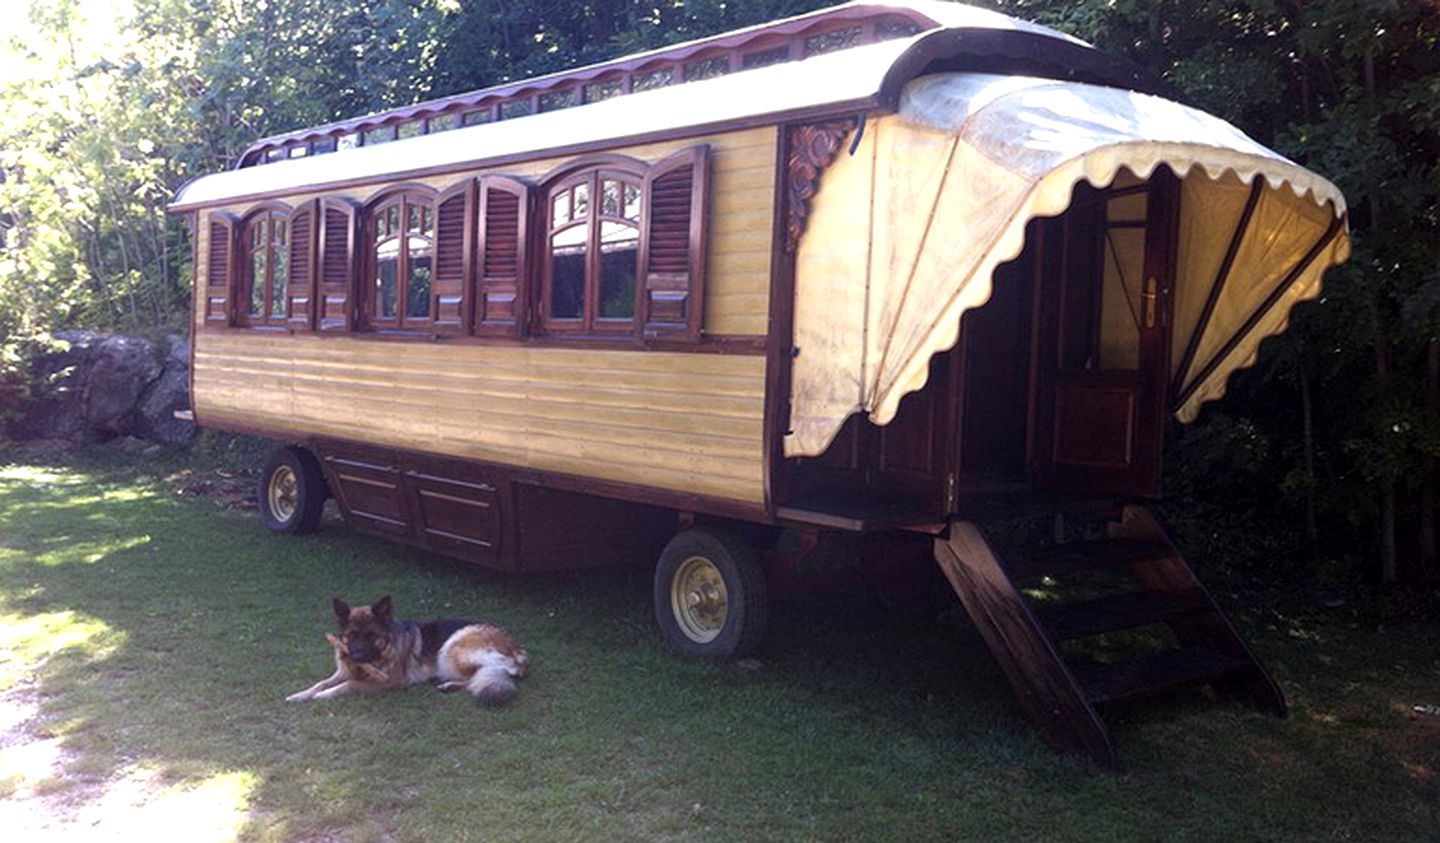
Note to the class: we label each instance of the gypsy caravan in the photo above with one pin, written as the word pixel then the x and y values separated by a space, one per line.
pixel 880 274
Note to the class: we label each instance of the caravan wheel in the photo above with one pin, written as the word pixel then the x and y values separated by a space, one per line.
pixel 709 595
pixel 292 491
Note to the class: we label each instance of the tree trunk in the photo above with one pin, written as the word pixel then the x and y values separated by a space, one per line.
pixel 1429 498
pixel 1307 441
pixel 1388 566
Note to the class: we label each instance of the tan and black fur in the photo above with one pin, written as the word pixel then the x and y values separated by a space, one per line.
pixel 376 652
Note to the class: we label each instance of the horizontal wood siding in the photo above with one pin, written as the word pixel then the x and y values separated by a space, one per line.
pixel 737 281
pixel 676 421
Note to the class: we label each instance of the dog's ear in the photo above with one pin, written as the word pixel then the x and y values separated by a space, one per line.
pixel 381 609
pixel 342 609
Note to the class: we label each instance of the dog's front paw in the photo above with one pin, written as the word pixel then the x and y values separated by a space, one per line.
pixel 298 696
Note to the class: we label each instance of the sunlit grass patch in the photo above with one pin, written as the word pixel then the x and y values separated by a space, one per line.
pixel 140 805
pixel 27 641
pixel 38 474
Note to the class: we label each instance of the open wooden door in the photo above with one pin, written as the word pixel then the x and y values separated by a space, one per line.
pixel 1106 273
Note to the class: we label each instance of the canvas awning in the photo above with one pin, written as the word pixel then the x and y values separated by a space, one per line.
pixel 905 234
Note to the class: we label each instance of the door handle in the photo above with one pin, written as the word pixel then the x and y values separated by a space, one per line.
pixel 1148 298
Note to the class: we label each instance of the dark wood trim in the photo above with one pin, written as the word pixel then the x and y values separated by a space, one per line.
pixel 466 190
pixel 743 344
pixel 353 214
pixel 656 289
pixel 779 338
pixel 1218 285
pixel 197 320
pixel 1336 225
pixel 498 284
pixel 241 264
pixel 368 316
pixel 591 161
pixel 811 149
pixel 807 113
pixel 567 177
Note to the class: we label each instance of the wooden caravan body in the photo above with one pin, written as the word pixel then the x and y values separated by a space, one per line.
pixel 873 268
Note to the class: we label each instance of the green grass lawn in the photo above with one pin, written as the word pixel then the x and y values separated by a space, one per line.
pixel 160 635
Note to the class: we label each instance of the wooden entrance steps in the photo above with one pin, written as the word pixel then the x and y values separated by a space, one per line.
pixel 1061 690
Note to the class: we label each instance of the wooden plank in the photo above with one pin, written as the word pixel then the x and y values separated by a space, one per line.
pixel 1154 674
pixel 1042 682
pixel 1211 631
pixel 1115 612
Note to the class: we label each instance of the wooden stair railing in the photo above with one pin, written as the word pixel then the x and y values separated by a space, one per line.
pixel 1063 697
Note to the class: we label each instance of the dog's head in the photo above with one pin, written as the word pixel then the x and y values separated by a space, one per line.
pixel 364 631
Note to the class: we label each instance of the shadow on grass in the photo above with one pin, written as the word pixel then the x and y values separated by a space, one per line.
pixel 856 724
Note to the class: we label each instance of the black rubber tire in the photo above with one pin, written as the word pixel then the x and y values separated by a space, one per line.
pixel 746 601
pixel 310 491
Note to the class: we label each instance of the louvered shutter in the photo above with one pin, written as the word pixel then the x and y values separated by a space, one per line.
pixel 219 269
pixel 335 285
pixel 453 248
pixel 673 245
pixel 300 310
pixel 504 216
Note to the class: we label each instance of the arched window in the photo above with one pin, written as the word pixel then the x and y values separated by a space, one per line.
pixel 402 238
pixel 592 252
pixel 266 267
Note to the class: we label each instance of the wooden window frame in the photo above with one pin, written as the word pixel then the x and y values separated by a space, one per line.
pixel 591 171
pixel 406 195
pixel 243 281
pixel 221 230
pixel 337 263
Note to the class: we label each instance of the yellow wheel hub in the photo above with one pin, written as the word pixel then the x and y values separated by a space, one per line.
pixel 698 599
pixel 283 493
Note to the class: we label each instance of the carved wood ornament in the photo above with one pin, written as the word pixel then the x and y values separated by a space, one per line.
pixel 812 148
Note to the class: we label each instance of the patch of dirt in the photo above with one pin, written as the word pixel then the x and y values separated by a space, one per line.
pixel 226 489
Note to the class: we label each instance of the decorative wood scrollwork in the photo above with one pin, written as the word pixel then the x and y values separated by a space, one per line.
pixel 812 148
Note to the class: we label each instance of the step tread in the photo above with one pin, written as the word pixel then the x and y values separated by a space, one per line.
pixel 1127 610
pixel 1158 673
pixel 1083 555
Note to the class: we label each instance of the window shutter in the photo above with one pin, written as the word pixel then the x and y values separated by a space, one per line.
pixel 300 310
pixel 335 297
pixel 453 248
pixel 219 271
pixel 672 251
pixel 504 216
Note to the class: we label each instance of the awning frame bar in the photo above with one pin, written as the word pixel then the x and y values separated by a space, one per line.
pixel 1336 225
pixel 1218 286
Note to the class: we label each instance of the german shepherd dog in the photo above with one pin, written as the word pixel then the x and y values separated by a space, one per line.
pixel 376 652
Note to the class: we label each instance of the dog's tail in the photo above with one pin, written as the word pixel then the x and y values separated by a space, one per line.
pixel 492 685
pixel 487 660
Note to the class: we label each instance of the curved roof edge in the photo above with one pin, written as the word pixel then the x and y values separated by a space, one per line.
pixel 923 14
pixel 855 80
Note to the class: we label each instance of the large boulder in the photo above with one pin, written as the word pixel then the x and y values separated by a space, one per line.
pixel 121 371
pixel 56 409
pixel 155 416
